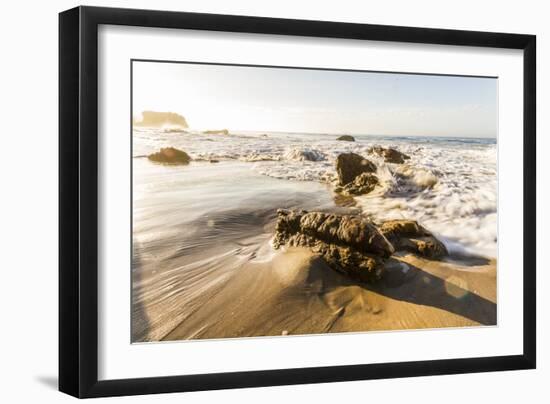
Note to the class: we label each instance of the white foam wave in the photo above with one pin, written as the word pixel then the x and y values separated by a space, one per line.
pixel 305 154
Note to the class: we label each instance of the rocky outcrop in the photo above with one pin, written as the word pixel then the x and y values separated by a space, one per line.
pixel 349 244
pixel 350 165
pixel 408 235
pixel 170 155
pixel 352 244
pixel 346 138
pixel 362 184
pixel 154 119
pixel 390 155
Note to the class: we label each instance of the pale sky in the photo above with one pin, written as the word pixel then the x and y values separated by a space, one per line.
pixel 316 101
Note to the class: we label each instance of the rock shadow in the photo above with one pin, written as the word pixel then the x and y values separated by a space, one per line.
pixel 420 287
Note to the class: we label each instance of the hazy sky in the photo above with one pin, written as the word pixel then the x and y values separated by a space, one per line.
pixel 276 99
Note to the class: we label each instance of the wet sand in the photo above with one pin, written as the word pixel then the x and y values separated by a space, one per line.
pixel 298 293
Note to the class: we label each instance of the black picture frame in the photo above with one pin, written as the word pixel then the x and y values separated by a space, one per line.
pixel 78 201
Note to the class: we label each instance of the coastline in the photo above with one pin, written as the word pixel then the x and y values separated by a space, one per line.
pixel 203 265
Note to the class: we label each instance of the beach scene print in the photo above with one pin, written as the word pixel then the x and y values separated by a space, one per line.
pixel 275 202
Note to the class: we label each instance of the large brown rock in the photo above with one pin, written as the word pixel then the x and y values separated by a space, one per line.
pixel 349 244
pixel 170 155
pixel 408 235
pixel 350 165
pixel 390 155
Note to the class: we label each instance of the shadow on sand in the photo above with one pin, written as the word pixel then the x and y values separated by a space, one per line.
pixel 420 287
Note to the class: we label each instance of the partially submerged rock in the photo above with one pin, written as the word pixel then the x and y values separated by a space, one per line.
pixel 170 155
pixel 349 243
pixel 389 154
pixel 350 165
pixel 362 184
pixel 408 235
pixel 346 138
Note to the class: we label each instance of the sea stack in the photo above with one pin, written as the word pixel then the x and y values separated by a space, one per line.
pixel 154 119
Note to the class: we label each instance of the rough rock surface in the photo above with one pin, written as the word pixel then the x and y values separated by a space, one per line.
pixel 362 184
pixel 348 243
pixel 170 155
pixel 353 245
pixel 390 155
pixel 346 138
pixel 350 165
pixel 408 235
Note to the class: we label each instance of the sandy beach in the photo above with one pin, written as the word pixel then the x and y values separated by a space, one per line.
pixel 298 294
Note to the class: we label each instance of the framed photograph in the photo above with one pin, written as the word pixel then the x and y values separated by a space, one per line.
pixel 251 201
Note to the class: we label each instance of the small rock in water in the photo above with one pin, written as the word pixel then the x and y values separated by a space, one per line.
pixel 390 155
pixel 170 155
pixel 285 332
pixel 346 138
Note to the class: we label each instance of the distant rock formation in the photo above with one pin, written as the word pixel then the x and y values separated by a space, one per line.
pixel 350 165
pixel 216 132
pixel 155 119
pixel 170 155
pixel 346 138
pixel 390 155
pixel 352 244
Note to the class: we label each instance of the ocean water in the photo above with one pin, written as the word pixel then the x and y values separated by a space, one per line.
pixel 449 185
